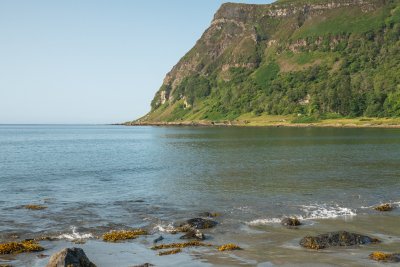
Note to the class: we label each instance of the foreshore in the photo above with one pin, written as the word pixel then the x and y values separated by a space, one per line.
pixel 270 122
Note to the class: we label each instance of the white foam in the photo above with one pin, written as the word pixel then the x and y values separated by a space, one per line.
pixel 75 235
pixel 264 221
pixel 164 228
pixel 324 211
pixel 311 212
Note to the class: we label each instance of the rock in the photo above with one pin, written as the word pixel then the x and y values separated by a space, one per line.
pixel 158 239
pixel 193 234
pixel 384 207
pixel 42 256
pixel 144 265
pixel 200 223
pixel 290 222
pixel 336 239
pixel 208 214
pixel 385 257
pixel 70 257
pixel 5 265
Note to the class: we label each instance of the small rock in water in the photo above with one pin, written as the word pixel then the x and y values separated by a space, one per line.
pixel 70 257
pixel 384 207
pixel 42 256
pixel 208 214
pixel 336 239
pixel 385 257
pixel 158 239
pixel 193 234
pixel 144 265
pixel 200 223
pixel 290 222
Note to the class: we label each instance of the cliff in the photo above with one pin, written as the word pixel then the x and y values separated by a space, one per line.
pixel 305 57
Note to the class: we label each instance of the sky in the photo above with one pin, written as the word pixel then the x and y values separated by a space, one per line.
pixel 92 61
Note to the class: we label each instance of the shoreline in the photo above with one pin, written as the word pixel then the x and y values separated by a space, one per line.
pixel 321 124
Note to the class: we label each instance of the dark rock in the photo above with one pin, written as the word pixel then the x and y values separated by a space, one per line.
pixel 70 257
pixel 336 239
pixel 144 265
pixel 42 256
pixel 200 223
pixel 384 207
pixel 208 214
pixel 158 239
pixel 290 222
pixel 193 234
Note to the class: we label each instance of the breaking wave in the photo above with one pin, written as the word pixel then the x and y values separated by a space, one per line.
pixel 311 212
pixel 75 235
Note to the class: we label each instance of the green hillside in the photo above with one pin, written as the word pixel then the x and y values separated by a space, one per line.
pixel 312 58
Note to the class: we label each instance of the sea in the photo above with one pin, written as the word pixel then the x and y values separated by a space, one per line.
pixel 96 178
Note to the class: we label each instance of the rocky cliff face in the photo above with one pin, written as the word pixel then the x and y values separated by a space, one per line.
pixel 245 43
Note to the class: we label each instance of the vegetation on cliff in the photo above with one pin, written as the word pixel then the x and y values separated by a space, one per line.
pixel 313 58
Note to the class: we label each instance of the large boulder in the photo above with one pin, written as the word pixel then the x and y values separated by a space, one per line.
pixel 200 223
pixel 70 257
pixel 336 239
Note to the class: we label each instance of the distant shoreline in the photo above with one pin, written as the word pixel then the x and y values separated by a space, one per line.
pixel 322 124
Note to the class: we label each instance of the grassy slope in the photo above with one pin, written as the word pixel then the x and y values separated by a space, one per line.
pixel 336 22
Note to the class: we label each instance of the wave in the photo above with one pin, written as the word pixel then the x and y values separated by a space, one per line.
pixel 309 213
pixel 75 235
pixel 169 228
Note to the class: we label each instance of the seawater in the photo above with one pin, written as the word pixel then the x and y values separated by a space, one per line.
pixel 97 178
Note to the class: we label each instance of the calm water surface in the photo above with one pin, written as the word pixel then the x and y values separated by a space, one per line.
pixel 97 178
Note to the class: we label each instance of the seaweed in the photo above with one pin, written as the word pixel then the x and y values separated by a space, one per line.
pixel 20 247
pixel 170 252
pixel 35 207
pixel 114 236
pixel 379 256
pixel 229 246
pixel 384 207
pixel 181 245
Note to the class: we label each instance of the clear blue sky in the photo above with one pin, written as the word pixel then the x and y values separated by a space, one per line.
pixel 87 61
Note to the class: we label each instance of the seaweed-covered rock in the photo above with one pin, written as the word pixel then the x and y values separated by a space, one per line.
pixel 290 222
pixel 336 239
pixel 384 207
pixel 385 257
pixel 200 223
pixel 70 257
pixel 20 247
pixel 193 234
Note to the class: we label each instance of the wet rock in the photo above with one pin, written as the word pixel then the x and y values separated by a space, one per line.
pixel 200 223
pixel 144 265
pixel 70 257
pixel 384 207
pixel 336 239
pixel 208 214
pixel 385 257
pixel 193 234
pixel 290 222
pixel 158 239
pixel 42 256
pixel 5 265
